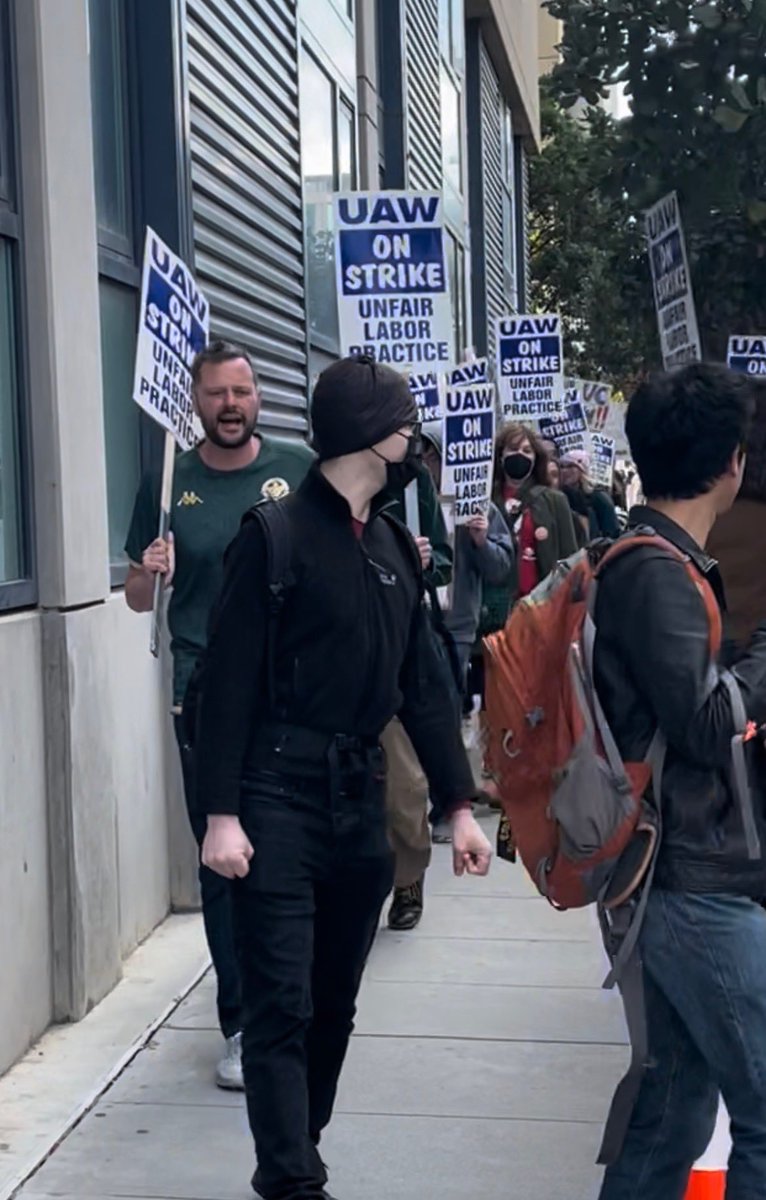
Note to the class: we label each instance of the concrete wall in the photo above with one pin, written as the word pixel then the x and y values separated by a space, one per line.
pixel 25 935
pixel 88 771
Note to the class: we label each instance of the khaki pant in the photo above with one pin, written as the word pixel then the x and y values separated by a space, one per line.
pixel 407 803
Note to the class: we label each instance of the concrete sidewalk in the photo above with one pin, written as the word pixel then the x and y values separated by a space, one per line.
pixel 482 1066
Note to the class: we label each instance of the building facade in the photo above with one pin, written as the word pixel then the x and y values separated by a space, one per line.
pixel 225 125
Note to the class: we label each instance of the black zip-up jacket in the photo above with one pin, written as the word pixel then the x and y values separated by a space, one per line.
pixel 354 648
pixel 652 668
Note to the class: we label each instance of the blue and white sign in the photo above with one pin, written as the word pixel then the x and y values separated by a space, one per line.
pixel 469 449
pixel 469 373
pixel 602 460
pixel 673 299
pixel 747 354
pixel 427 390
pixel 393 292
pixel 569 430
pixel 530 367
pixel 173 328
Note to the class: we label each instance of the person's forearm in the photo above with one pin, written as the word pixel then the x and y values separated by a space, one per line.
pixel 139 590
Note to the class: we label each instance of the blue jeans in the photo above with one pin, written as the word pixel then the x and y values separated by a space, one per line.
pixel 705 970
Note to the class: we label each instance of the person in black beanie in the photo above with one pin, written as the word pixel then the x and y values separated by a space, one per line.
pixel 293 783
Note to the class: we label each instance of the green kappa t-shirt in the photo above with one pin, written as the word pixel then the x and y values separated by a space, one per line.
pixel 206 511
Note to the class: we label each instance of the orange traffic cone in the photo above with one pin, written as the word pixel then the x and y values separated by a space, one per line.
pixel 708 1177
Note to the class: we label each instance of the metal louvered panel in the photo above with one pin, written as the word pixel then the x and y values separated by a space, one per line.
pixel 423 92
pixel 522 221
pixel 246 185
pixel 496 299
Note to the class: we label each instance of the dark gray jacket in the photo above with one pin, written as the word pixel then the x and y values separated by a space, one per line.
pixel 475 566
pixel 653 668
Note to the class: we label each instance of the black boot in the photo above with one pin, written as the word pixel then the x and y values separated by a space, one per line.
pixel 256 1185
pixel 407 907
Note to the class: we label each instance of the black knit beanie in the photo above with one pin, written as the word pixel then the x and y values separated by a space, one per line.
pixel 356 404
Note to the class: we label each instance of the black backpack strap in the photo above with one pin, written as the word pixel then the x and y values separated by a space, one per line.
pixel 274 520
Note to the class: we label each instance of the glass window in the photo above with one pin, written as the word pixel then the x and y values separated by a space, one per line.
pixel 346 155
pixel 318 149
pixel 12 564
pixel 328 147
pixel 456 270
pixel 452 33
pixel 451 133
pixel 111 129
pixel 119 312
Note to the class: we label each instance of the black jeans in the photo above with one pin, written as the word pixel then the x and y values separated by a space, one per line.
pixel 217 907
pixel 306 917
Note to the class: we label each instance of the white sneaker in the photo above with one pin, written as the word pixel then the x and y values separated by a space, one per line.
pixel 228 1073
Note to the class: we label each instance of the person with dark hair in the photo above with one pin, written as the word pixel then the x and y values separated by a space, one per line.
pixel 538 517
pixel 661 683
pixel 293 778
pixel 232 468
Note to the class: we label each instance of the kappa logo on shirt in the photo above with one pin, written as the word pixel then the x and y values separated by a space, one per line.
pixel 275 489
pixel 189 500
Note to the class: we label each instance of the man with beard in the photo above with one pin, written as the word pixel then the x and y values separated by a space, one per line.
pixel 232 469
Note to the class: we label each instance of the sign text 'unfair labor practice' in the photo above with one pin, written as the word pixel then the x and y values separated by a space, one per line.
pixel 393 295
pixel 173 328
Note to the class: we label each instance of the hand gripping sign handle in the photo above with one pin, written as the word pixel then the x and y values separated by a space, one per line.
pixel 166 496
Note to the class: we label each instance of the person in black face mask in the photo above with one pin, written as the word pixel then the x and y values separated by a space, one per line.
pixel 538 517
pixel 292 776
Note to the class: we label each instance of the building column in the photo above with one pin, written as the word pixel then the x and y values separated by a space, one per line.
pixel 64 380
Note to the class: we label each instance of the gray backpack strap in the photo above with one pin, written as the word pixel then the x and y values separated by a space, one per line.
pixel 739 774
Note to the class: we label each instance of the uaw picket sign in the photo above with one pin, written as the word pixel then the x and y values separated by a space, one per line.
pixel 393 294
pixel 530 367
pixel 602 459
pixel 469 449
pixel 747 354
pixel 673 299
pixel 426 390
pixel 569 431
pixel 173 328
pixel 469 373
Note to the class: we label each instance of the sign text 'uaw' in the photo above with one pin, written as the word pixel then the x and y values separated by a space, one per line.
pixel 602 460
pixel 530 367
pixel 468 374
pixel 393 295
pixel 673 298
pixel 469 449
pixel 747 354
pixel 173 328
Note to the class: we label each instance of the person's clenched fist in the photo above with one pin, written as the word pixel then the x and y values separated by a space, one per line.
pixel 160 559
pixel 226 848
pixel 471 850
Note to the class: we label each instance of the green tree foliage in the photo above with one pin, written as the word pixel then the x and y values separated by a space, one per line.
pixel 587 249
pixel 695 76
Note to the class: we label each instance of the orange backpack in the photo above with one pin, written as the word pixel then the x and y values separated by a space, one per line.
pixel 575 808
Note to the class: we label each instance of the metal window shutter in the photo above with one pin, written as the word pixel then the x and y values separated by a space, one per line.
pixel 498 303
pixel 246 188
pixel 423 96
pixel 522 221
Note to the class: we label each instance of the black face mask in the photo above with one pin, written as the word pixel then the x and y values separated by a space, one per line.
pixel 401 474
pixel 518 466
